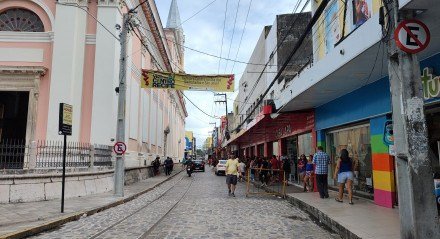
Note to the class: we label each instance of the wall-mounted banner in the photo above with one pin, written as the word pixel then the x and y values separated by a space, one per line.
pixel 178 81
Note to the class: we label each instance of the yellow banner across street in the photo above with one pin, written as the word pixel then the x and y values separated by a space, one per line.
pixel 178 81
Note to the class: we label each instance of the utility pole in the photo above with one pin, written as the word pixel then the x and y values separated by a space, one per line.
pixel 226 104
pixel 417 205
pixel 120 133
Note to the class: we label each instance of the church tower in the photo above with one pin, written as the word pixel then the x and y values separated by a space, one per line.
pixel 175 36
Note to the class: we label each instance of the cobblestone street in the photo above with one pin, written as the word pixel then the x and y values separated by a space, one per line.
pixel 196 207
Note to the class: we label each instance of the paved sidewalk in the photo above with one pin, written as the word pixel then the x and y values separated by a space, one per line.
pixel 21 219
pixel 364 219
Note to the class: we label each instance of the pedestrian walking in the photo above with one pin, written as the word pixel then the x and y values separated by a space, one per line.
pixel 168 166
pixel 321 161
pixel 274 166
pixel 242 170
pixel 286 168
pixel 264 172
pixel 231 174
pixel 156 165
pixel 252 166
pixel 302 162
pixel 344 169
pixel 308 175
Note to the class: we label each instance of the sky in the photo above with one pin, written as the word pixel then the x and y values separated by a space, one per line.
pixel 204 32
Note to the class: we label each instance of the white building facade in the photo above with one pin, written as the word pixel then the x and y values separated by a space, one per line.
pixel 68 51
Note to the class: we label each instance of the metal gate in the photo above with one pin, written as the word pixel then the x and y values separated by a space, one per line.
pixel 265 182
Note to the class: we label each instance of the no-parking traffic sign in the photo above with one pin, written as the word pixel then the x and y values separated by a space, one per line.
pixel 120 147
pixel 412 36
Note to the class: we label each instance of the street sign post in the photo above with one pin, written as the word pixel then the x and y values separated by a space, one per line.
pixel 64 128
pixel 412 36
pixel 120 148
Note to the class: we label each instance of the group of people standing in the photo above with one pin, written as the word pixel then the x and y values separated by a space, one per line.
pixel 168 165
pixel 315 166
pixel 268 170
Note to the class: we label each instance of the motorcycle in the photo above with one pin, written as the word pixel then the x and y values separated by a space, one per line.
pixel 189 170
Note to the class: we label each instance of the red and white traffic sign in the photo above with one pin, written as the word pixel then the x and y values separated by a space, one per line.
pixel 412 36
pixel 120 147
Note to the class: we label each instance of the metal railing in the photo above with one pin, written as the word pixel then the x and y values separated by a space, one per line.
pixel 13 153
pixel 50 154
pixel 16 154
pixel 102 155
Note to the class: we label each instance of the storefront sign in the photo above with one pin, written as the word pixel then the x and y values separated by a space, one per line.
pixel 388 134
pixel 65 119
pixel 166 80
pixel 284 131
pixel 188 141
pixel 431 84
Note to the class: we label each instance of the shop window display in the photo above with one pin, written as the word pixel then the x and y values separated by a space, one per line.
pixel 305 144
pixel 357 141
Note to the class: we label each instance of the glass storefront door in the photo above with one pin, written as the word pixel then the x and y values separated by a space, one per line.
pixel 305 144
pixel 357 141
pixel 292 152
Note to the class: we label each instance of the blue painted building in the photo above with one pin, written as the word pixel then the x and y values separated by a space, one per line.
pixel 357 121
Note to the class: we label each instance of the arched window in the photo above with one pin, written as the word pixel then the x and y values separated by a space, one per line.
pixel 20 20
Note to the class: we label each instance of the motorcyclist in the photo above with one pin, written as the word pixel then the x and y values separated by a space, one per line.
pixel 190 165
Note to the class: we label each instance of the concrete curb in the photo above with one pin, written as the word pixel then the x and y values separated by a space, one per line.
pixel 320 217
pixel 77 215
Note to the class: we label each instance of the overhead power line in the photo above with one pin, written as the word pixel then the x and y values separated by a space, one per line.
pixel 273 51
pixel 242 33
pixel 195 14
pixel 85 10
pixel 199 108
pixel 233 32
pixel 312 22
pixel 133 9
pixel 206 53
pixel 223 36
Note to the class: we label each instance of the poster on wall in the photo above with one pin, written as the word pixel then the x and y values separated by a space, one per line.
pixel 188 141
pixel 332 25
pixel 362 11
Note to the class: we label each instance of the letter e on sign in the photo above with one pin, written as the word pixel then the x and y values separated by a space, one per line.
pixel 120 148
pixel 412 36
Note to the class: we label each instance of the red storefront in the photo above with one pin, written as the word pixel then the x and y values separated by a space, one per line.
pixel 287 134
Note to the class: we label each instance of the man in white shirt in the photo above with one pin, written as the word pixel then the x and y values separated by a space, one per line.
pixel 242 170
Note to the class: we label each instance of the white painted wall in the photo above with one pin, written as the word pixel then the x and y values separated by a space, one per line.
pixel 271 44
pixel 21 54
pixel 106 78
pixel 145 115
pixel 250 78
pixel 133 107
pixel 153 118
pixel 67 67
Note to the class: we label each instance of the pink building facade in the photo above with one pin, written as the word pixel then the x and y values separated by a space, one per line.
pixel 56 51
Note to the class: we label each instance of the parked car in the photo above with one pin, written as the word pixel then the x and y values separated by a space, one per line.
pixel 221 167
pixel 199 165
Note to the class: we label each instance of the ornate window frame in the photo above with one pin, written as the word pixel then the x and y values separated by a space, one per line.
pixel 27 78
pixel 19 19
